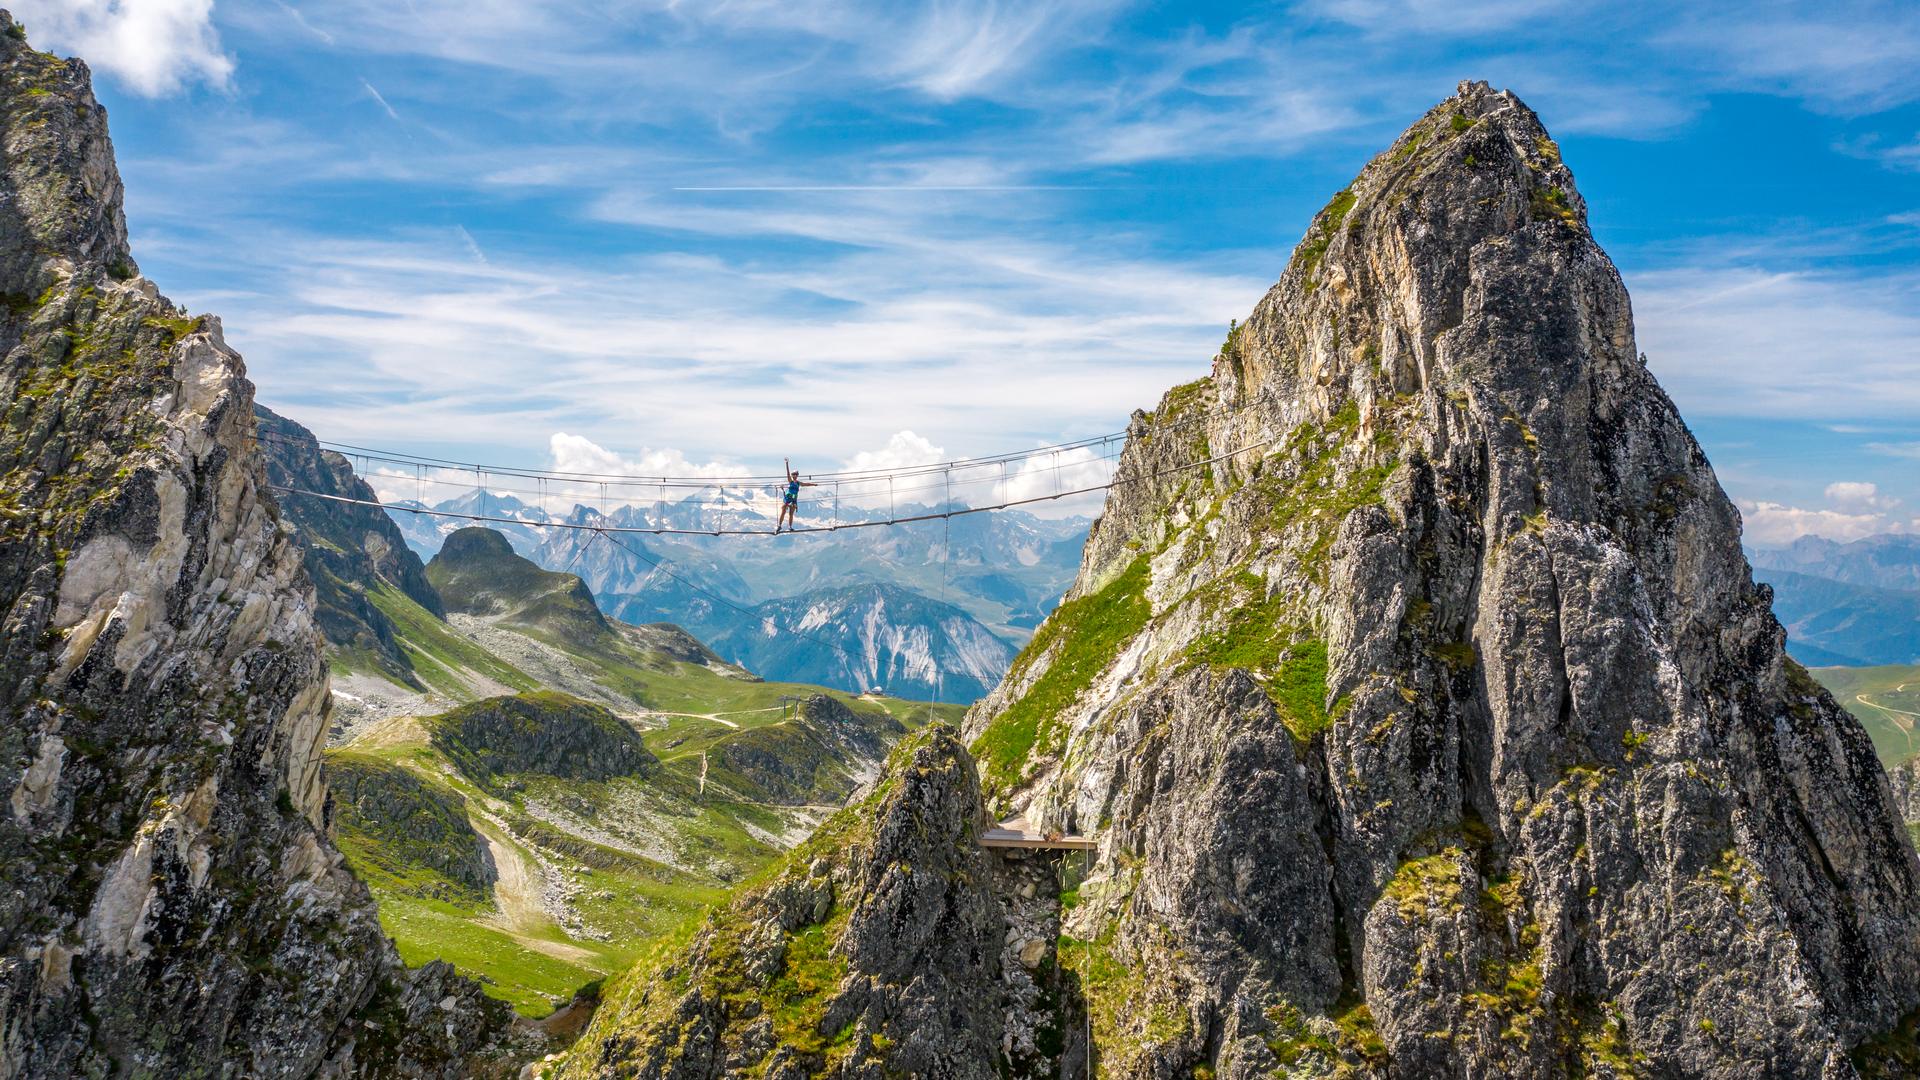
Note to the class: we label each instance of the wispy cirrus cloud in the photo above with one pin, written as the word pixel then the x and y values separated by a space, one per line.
pixel 1788 344
pixel 741 228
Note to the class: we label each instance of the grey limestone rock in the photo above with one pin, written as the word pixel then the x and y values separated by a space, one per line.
pixel 1453 736
pixel 172 902
pixel 873 952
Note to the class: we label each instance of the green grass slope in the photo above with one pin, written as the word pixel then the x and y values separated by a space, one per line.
pixel 591 869
pixel 448 663
pixel 1885 699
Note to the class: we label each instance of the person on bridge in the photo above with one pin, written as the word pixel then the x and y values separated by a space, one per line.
pixel 792 502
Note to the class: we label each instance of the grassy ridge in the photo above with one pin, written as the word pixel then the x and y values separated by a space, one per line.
pixel 1085 634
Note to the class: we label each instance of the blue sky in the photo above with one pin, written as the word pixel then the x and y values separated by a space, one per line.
pixel 612 233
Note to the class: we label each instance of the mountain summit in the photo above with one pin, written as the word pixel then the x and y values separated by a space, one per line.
pixel 174 904
pixel 1440 730
pixel 1445 732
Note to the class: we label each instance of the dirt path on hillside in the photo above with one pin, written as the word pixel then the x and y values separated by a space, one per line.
pixel 1901 689
pixel 516 892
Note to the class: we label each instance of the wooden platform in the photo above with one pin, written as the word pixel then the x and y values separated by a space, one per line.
pixel 1018 834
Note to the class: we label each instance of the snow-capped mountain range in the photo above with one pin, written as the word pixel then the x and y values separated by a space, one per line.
pixel 894 602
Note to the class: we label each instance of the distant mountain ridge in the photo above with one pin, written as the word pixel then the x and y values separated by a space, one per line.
pixel 1854 604
pixel 872 635
pixel 1002 572
pixel 1007 568
pixel 1885 561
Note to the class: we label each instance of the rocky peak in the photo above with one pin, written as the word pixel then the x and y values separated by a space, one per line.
pixel 174 904
pixel 1443 730
pixel 873 950
pixel 65 210
pixel 477 572
pixel 475 544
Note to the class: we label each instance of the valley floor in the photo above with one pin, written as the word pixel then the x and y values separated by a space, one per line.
pixel 585 875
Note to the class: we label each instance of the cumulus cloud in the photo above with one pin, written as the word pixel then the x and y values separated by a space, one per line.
pixel 1858 497
pixel 1045 475
pixel 904 450
pixel 1774 523
pixel 579 454
pixel 153 47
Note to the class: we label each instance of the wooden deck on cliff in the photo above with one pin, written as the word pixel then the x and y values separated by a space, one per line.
pixel 1018 834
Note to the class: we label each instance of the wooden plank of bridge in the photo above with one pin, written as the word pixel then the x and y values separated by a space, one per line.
pixel 1018 834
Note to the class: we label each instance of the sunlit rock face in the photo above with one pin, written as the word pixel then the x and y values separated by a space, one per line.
pixel 172 902
pixel 1442 731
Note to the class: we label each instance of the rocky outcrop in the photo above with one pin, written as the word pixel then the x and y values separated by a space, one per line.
pixel 478 573
pixel 172 903
pixel 1441 730
pixel 349 550
pixel 820 757
pixel 546 733
pixel 404 824
pixel 873 951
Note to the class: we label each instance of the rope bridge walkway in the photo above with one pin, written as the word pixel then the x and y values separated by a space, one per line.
pixel 1006 486
pixel 836 526
pixel 867 486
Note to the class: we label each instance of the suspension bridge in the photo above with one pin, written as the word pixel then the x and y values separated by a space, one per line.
pixel 961 487
pixel 988 484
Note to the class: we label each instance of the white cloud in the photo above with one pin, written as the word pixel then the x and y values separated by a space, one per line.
pixel 1746 341
pixel 1046 475
pixel 578 454
pixel 154 47
pixel 961 47
pixel 849 356
pixel 904 450
pixel 1773 523
pixel 1843 56
pixel 1895 449
pixel 381 101
pixel 1858 496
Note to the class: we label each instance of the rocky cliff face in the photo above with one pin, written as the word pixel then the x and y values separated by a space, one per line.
pixel 173 905
pixel 874 950
pixel 348 550
pixel 1443 731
